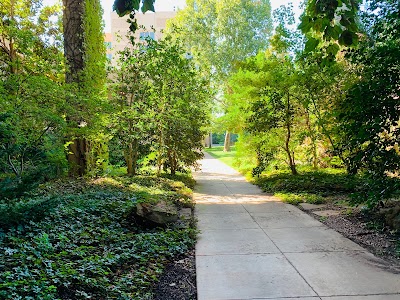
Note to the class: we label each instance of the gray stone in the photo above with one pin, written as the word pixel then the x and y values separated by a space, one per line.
pixel 185 214
pixel 308 206
pixel 392 216
pixel 161 213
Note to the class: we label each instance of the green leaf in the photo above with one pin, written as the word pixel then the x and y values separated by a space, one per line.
pixel 148 5
pixel 332 32
pixel 124 7
pixel 305 24
pixel 332 49
pixel 311 44
pixel 346 38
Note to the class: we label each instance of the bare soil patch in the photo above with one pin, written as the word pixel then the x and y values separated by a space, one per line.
pixel 178 281
pixel 367 230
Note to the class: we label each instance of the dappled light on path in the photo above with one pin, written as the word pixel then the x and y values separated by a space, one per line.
pixel 253 246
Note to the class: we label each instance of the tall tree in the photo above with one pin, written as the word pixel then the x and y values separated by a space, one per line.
pixel 221 33
pixel 368 117
pixel 85 59
pixel 180 95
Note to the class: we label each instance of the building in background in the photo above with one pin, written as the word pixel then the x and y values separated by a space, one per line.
pixel 108 44
pixel 153 24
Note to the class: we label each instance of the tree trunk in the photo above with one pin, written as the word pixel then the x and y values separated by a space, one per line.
pixel 227 142
pixel 290 154
pixel 210 137
pixel 73 14
pixel 73 17
pixel 313 140
pixel 172 162
pixel 131 156
pixel 77 157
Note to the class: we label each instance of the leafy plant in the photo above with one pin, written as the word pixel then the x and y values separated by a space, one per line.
pixel 81 243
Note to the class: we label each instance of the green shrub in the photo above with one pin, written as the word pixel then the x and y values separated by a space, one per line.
pixel 309 182
pixel 295 199
pixel 290 198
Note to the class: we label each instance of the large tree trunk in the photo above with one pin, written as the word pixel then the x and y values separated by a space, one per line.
pixel 73 17
pixel 227 142
pixel 77 159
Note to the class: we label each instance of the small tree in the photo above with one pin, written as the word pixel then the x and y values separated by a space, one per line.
pixel 181 97
pixel 133 116
pixel 162 105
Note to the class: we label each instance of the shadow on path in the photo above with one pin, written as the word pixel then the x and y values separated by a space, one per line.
pixel 252 246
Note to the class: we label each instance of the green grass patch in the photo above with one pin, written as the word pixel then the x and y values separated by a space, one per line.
pixel 225 157
pixel 295 199
pixel 323 182
pixel 76 240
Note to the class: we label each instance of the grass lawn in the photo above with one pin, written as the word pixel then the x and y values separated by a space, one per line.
pixel 225 157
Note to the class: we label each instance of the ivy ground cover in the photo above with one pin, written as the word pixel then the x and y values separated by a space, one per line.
pixel 78 240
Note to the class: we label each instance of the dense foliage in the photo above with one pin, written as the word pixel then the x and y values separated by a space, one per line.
pixel 162 106
pixel 30 87
pixel 77 240
pixel 316 110
pixel 292 107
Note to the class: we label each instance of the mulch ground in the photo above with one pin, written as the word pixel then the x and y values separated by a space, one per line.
pixel 178 281
pixel 365 230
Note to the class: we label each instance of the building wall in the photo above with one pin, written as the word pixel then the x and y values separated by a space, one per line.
pixel 120 28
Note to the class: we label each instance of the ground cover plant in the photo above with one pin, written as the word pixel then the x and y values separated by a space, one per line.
pixel 81 241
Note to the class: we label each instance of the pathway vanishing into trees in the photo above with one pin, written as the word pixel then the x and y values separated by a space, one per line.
pixel 252 246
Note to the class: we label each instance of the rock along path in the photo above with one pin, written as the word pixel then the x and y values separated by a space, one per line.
pixel 252 246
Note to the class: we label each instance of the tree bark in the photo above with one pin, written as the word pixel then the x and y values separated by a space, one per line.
pixel 73 14
pixel 77 159
pixel 313 140
pixel 227 142
pixel 290 154
pixel 131 157
pixel 73 17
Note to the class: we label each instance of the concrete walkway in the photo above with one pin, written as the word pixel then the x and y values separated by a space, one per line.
pixel 252 246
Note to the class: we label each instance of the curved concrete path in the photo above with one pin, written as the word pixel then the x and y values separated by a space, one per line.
pixel 252 246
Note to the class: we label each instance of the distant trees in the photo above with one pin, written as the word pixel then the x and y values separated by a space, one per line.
pixel 219 34
pixel 335 103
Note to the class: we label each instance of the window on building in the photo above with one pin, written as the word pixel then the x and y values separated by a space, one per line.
pixel 109 56
pixel 108 45
pixel 144 35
